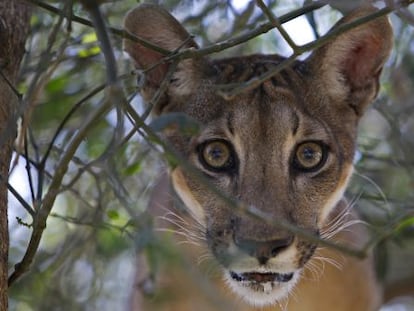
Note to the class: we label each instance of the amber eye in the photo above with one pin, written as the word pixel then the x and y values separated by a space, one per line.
pixel 310 156
pixel 217 155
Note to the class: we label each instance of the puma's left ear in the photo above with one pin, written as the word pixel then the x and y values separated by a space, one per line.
pixel 349 66
pixel 156 25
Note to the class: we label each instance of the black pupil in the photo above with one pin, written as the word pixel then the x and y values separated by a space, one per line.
pixel 309 154
pixel 216 153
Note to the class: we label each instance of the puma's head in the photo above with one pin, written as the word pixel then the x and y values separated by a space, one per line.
pixel 285 147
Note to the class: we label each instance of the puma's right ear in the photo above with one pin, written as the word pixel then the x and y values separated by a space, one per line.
pixel 349 66
pixel 154 24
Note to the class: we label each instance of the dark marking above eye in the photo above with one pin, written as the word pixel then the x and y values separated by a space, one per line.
pixel 229 120
pixel 295 125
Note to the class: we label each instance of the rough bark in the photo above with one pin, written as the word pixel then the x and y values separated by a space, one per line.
pixel 14 26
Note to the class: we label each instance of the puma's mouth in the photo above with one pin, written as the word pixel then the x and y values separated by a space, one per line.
pixel 258 277
pixel 261 288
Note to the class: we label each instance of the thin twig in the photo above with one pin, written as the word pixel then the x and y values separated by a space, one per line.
pixel 92 224
pixel 276 23
pixel 22 201
pixel 11 86
pixel 29 169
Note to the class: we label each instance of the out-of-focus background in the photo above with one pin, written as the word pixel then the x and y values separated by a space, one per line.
pixel 87 256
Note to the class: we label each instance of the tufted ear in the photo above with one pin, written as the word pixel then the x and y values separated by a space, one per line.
pixel 154 24
pixel 349 66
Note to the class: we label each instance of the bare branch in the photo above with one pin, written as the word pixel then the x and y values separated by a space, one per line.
pixel 22 201
pixel 276 23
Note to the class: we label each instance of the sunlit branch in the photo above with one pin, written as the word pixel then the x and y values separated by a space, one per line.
pixel 276 23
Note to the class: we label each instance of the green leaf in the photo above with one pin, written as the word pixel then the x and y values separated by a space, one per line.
pixel 133 169
pixel 92 51
pixel 110 243
pixel 406 224
pixel 90 42
pixel 98 138
pixel 112 214
pixel 57 84
pixel 89 38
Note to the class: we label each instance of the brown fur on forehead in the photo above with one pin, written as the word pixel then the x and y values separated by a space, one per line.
pixel 244 68
pixel 283 86
pixel 274 113
pixel 206 104
pixel 262 116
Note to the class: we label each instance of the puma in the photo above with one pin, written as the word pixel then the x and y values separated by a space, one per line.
pixel 284 148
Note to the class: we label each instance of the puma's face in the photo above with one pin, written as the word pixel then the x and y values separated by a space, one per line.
pixel 282 150
pixel 267 151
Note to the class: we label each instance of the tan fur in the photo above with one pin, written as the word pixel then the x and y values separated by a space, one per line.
pixel 316 103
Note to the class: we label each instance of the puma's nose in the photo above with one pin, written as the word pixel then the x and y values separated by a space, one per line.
pixel 264 250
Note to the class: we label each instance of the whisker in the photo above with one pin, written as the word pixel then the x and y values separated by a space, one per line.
pixel 339 217
pixel 184 228
pixel 202 258
pixel 195 223
pixel 188 239
pixel 316 269
pixel 293 295
pixel 189 242
pixel 339 222
pixel 182 232
pixel 330 261
pixel 283 304
pixel 182 223
pixel 192 232
pixel 377 187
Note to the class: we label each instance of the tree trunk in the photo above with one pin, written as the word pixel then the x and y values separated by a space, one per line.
pixel 14 27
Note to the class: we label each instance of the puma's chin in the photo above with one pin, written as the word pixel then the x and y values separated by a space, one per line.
pixel 261 288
